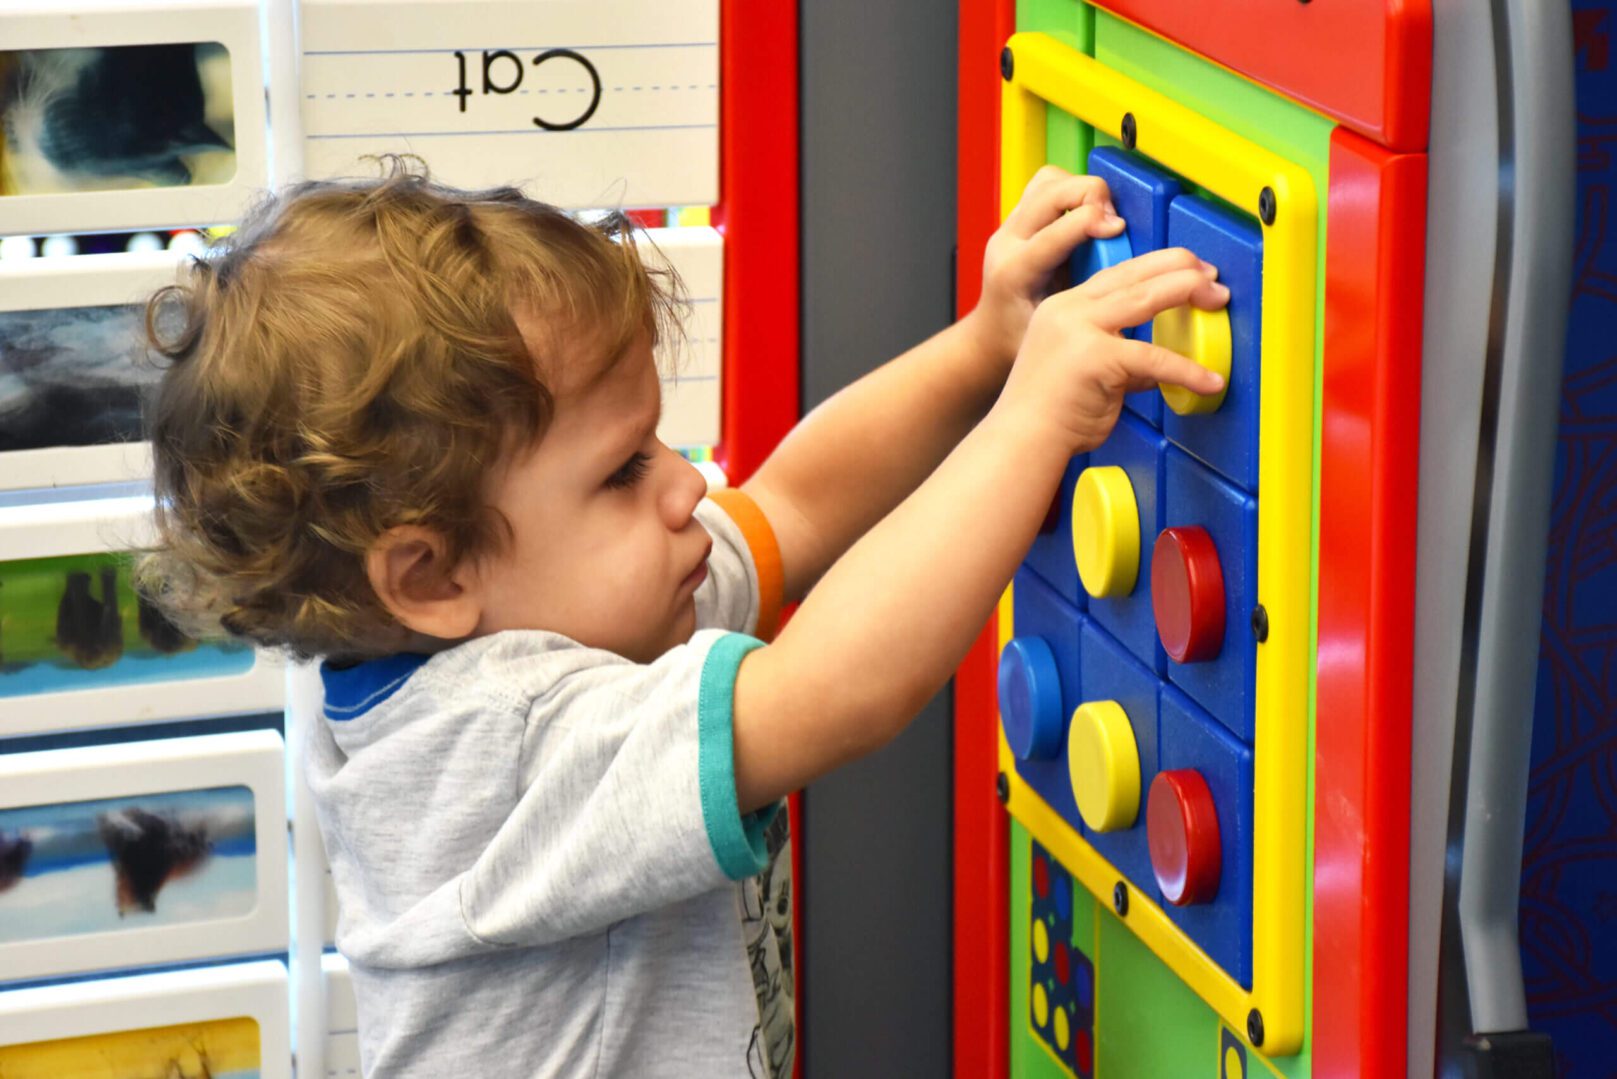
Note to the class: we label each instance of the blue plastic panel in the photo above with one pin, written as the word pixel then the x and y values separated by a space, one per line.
pixel 1141 192
pixel 1189 738
pixel 1195 495
pixel 1051 555
pixel 1039 612
pixel 1227 439
pixel 1138 449
pixel 1111 674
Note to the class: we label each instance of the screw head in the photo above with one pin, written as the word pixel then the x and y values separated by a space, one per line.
pixel 1260 623
pixel 1254 1027
pixel 1120 898
pixel 1130 131
pixel 1266 206
pixel 1002 787
pixel 1007 64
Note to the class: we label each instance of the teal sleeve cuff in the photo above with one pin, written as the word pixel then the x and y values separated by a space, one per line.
pixel 737 841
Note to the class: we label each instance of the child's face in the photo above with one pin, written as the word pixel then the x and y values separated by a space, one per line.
pixel 604 548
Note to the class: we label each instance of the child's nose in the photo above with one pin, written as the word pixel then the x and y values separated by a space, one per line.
pixel 685 489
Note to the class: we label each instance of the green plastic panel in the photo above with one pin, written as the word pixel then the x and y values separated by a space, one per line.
pixel 1072 22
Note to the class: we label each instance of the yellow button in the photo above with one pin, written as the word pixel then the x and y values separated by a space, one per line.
pixel 1103 762
pixel 1204 336
pixel 1106 531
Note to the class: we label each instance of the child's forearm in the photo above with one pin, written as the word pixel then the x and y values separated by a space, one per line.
pixel 855 457
pixel 891 620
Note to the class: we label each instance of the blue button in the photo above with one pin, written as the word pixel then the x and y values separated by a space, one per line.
pixel 1100 253
pixel 1030 698
pixel 1082 988
pixel 1064 898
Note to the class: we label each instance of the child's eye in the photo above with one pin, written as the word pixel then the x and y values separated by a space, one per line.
pixel 633 470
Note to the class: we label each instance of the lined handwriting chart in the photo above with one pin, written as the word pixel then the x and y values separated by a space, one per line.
pixel 586 105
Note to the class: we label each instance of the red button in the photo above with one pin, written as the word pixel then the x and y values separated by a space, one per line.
pixel 1187 594
pixel 1181 826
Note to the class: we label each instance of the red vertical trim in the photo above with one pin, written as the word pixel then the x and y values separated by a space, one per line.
pixel 758 214
pixel 981 862
pixel 1374 281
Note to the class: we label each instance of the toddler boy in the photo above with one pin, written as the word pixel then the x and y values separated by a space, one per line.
pixel 412 430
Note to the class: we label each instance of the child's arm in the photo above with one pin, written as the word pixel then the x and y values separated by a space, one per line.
pixel 893 617
pixel 850 461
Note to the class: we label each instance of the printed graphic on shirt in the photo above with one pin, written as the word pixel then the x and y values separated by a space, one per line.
pixel 766 926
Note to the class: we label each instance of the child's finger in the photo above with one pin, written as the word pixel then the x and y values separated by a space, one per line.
pixel 1142 301
pixel 1050 194
pixel 1142 268
pixel 1149 365
pixel 1054 244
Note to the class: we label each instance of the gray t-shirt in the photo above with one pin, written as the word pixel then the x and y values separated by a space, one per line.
pixel 540 864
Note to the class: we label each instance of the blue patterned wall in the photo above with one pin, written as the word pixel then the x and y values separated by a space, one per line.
pixel 1569 863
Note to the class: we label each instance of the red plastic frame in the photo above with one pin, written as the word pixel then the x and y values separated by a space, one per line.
pixel 1368 63
pixel 981 861
pixel 1375 268
pixel 758 215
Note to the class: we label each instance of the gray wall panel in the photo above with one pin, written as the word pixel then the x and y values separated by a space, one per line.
pixel 878 205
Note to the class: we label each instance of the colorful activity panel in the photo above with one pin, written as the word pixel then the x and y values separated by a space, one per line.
pixel 1165 770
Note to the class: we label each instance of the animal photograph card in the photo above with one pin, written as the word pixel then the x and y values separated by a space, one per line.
pixel 213 1049
pixel 76 622
pixel 141 853
pixel 81 648
pixel 217 1022
pixel 74 368
pixel 582 103
pixel 133 114
pixel 92 867
pixel 116 118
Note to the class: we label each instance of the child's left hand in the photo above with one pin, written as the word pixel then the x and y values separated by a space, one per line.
pixel 1057 212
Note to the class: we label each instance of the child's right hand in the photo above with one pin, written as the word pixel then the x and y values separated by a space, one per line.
pixel 1075 366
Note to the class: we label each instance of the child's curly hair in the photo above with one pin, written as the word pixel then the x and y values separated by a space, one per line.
pixel 348 361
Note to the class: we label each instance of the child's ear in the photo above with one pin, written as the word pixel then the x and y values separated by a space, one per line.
pixel 409 570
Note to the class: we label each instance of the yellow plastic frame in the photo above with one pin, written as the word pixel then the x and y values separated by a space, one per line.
pixel 1047 72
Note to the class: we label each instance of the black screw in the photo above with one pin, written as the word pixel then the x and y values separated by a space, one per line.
pixel 1260 623
pixel 1007 64
pixel 1254 1027
pixel 1266 205
pixel 1130 135
pixel 1002 787
pixel 1120 898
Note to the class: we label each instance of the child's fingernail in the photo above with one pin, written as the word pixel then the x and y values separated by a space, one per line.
pixel 1209 269
pixel 1221 290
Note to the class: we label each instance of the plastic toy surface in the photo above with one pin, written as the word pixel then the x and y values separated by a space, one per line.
pixel 1245 918
pixel 1209 871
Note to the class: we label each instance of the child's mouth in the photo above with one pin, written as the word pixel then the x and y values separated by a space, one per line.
pixel 697 576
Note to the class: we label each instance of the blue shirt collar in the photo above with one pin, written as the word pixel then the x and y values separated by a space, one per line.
pixel 353 691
